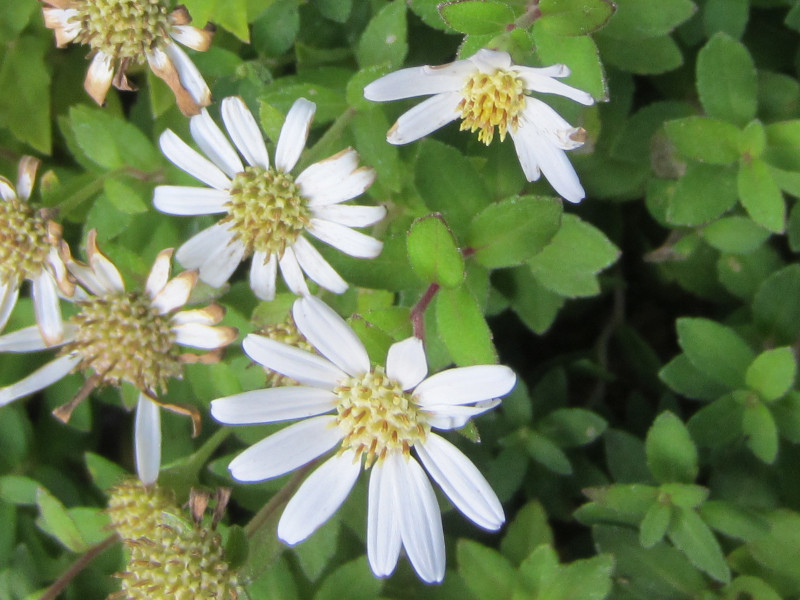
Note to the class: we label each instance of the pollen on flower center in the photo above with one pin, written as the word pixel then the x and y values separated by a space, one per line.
pixel 121 337
pixel 123 29
pixel 492 100
pixel 24 244
pixel 266 210
pixel 377 416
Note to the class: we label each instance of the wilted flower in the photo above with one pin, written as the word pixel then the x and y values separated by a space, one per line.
pixel 267 209
pixel 487 91
pixel 379 416
pixel 122 33
pixel 29 250
pixel 123 336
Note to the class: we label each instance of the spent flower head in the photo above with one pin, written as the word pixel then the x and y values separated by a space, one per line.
pixel 374 417
pixel 29 243
pixel 124 336
pixel 267 210
pixel 487 92
pixel 123 33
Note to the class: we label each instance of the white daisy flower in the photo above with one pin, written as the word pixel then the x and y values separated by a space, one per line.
pixel 379 416
pixel 267 209
pixel 487 91
pixel 122 335
pixel 29 250
pixel 122 33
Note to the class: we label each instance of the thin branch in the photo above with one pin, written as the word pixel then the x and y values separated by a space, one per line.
pixel 418 312
pixel 79 565
pixel 277 501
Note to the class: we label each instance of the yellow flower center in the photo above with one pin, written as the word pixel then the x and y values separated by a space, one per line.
pixel 266 210
pixel 123 29
pixel 492 100
pixel 24 244
pixel 121 337
pixel 377 416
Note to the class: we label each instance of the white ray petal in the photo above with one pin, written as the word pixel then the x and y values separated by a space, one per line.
pixel 9 292
pixel 7 191
pixel 426 117
pixel 39 379
pixel 86 277
pixel 263 271
pixel 175 293
pixel 208 315
pixel 542 83
pixel 190 77
pixel 147 439
pixel 448 416
pixel 349 215
pixel 47 308
pixel 272 405
pixel 345 239
pixel 159 273
pixel 488 61
pixel 406 362
pixel 187 159
pixel 202 336
pixel 196 250
pixel 214 144
pixel 294 133
pixel 292 273
pixel 188 201
pixel 541 121
pixel 244 131
pixel 419 81
pixel 467 489
pixel 328 172
pixel 99 77
pixel 383 527
pixel 26 175
pixel 107 274
pixel 465 385
pixel 191 37
pixel 330 335
pixel 27 339
pixel 316 267
pixel 319 497
pixel 286 450
pixel 64 23
pixel 535 149
pixel 302 366
pixel 345 187
pixel 419 517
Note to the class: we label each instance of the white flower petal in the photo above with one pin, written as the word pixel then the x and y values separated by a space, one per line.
pixel 175 293
pixel 202 336
pixel 383 527
pixel 534 149
pixel 292 273
pixel 406 362
pixel 159 273
pixel 196 250
pixel 419 517
pixel 344 188
pixel 27 339
pixel 187 159
pixel 26 175
pixel 189 201
pixel 99 77
pixel 286 450
pixel 302 366
pixel 214 144
pixel 147 439
pixel 447 416
pixel 426 117
pixel 62 21
pixel 319 497
pixel 294 133
pixel 488 61
pixel 190 77
pixel 262 275
pixel 465 385
pixel 86 277
pixel 543 83
pixel 419 81
pixel 7 191
pixel 208 315
pixel 272 405
pixel 316 267
pixel 191 37
pixel 349 215
pixel 345 239
pixel 327 173
pixel 330 335
pixel 39 379
pixel 244 131
pixel 108 276
pixel 47 309
pixel 9 292
pixel 467 489
pixel 541 121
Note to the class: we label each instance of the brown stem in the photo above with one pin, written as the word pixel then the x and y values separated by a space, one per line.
pixel 418 312
pixel 79 565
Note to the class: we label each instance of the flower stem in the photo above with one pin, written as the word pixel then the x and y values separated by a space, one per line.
pixel 79 565
pixel 267 511
pixel 418 312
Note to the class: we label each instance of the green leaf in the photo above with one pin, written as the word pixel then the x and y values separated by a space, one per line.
pixel 538 569
pixel 352 580
pixel 649 56
pixel 654 525
pixel 733 520
pixel 485 571
pixel 477 16
pixel 783 145
pixel 463 329
pixel 772 373
pixel 449 184
pixel 571 427
pixel 17 489
pixel 761 196
pixel 233 16
pixel 735 235
pixel 335 10
pixel 777 318
pixel 685 379
pixel 569 263
pixel 707 140
pixel 56 521
pixel 787 416
pixel 124 198
pixel 728 16
pixel 759 426
pixel 687 495
pixel 275 29
pixel 529 530
pixel 703 194
pixel 544 451
pixel 639 19
pixel 575 17
pixel 671 453
pixel 103 472
pixel 578 53
pixel 715 350
pixel 717 424
pixel 746 586
pixel 508 232
pixel 385 38
pixel 535 305
pixel 369 128
pixel 434 253
pixel 692 536
pixel 726 80
pixel 587 579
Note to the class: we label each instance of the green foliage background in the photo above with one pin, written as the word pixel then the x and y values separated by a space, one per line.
pixel 650 448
